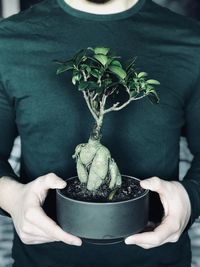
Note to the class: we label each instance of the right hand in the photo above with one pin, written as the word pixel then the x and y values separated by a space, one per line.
pixel 31 223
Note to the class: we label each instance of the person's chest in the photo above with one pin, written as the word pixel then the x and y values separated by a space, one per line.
pixel 47 104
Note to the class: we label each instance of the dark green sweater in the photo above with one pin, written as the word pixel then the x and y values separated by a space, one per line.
pixel 51 116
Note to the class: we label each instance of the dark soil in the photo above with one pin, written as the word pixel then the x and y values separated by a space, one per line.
pixel 129 189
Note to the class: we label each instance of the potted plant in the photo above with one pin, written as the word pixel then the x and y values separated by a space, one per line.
pixel 99 204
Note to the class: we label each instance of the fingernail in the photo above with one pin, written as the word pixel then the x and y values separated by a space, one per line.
pixel 77 243
pixel 61 184
pixel 144 183
pixel 129 241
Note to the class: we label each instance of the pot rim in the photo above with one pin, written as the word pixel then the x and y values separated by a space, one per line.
pixel 103 203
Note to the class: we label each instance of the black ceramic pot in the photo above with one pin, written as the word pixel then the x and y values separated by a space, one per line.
pixel 103 223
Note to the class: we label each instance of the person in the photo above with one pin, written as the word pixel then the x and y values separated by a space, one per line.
pixel 51 118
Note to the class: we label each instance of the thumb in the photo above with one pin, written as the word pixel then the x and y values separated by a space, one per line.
pixel 52 181
pixel 158 185
pixel 154 184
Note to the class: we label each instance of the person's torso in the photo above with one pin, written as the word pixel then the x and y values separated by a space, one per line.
pixel 52 116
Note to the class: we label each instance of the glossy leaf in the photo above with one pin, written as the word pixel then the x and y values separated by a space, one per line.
pixel 76 78
pixel 142 74
pixel 130 64
pixel 153 97
pixel 83 86
pixel 89 85
pixel 95 73
pixel 154 82
pixel 118 71
pixel 84 67
pixel 101 50
pixel 80 56
pixel 102 59
pixel 143 85
pixel 116 63
pixel 65 67
pixel 133 93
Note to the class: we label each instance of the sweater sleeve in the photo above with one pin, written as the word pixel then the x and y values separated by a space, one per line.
pixel 8 132
pixel 191 181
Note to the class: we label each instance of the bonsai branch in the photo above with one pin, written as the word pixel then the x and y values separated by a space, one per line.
pixel 94 97
pixel 116 106
pixel 103 103
pixel 89 106
pixel 84 76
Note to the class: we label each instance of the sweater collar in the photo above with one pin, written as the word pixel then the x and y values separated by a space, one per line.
pixel 99 17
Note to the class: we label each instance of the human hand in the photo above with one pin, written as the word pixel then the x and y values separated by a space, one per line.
pixel 31 223
pixel 177 211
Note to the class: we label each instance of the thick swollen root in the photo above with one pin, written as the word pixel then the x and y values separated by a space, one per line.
pixel 88 152
pixel 115 176
pixel 99 168
pixel 95 166
pixel 81 171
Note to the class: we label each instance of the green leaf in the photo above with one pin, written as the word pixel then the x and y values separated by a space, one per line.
pixel 92 86
pixel 76 78
pixel 153 97
pixel 142 74
pixel 143 85
pixel 80 57
pixel 130 74
pixel 133 85
pixel 85 67
pixel 83 86
pixel 101 50
pixel 116 63
pixel 151 81
pixel 95 73
pixel 65 67
pixel 89 85
pixel 130 64
pixel 95 61
pixel 102 59
pixel 133 93
pixel 118 71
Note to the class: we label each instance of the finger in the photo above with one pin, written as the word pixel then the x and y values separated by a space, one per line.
pixel 41 220
pixel 51 181
pixel 154 184
pixel 160 186
pixel 159 236
pixel 42 184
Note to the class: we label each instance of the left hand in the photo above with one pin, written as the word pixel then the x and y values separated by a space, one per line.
pixel 177 211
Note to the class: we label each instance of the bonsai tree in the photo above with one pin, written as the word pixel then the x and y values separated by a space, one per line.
pixel 100 76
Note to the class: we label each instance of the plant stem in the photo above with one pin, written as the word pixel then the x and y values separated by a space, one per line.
pixel 96 132
pixel 116 106
pixel 89 106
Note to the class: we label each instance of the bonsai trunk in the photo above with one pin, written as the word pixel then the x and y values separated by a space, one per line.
pixel 96 132
pixel 95 166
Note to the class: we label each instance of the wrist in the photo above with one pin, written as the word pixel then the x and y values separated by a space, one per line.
pixel 9 192
pixel 185 201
